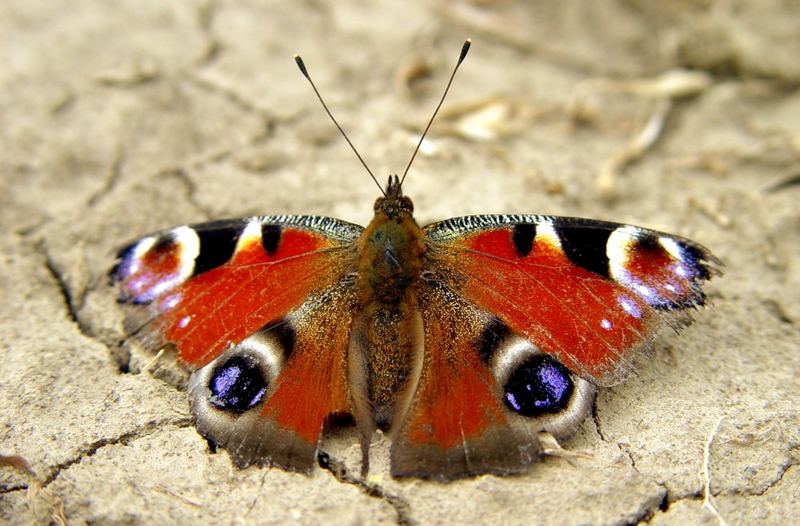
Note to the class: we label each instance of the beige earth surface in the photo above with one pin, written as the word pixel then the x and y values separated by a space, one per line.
pixel 120 118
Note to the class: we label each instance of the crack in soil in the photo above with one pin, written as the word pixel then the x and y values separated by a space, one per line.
pixel 597 425
pixel 12 489
pixel 63 287
pixel 179 173
pixel 226 93
pixel 774 482
pixel 114 175
pixel 206 13
pixel 777 310
pixel 124 439
pixel 648 511
pixel 340 473
pixel 625 448
pixel 191 191
pixel 698 496
pixel 267 130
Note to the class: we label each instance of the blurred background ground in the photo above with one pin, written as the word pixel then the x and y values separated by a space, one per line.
pixel 122 118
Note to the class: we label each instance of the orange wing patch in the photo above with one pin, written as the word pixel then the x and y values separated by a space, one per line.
pixel 286 427
pixel 457 396
pixel 456 425
pixel 271 270
pixel 313 384
pixel 228 303
pixel 584 320
pixel 590 293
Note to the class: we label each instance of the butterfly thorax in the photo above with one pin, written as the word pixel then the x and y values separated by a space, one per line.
pixel 391 251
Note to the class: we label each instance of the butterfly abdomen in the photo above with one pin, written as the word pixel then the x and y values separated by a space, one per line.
pixel 386 330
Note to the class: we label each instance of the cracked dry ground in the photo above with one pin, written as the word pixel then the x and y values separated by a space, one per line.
pixel 120 120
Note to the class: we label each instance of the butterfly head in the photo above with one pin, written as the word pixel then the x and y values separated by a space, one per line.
pixel 393 203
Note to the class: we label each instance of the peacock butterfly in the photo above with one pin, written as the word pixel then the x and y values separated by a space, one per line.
pixel 462 339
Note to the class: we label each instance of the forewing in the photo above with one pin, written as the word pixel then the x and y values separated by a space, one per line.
pixel 206 286
pixel 590 293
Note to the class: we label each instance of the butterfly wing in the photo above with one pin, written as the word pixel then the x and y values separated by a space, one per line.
pixel 522 316
pixel 457 423
pixel 267 399
pixel 261 309
pixel 589 293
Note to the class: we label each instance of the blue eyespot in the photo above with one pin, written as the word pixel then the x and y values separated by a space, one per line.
pixel 539 386
pixel 237 385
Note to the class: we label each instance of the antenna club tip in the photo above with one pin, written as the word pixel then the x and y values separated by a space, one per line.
pixel 464 50
pixel 301 65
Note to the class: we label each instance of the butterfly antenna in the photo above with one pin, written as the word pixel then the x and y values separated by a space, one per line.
pixel 464 50
pixel 304 71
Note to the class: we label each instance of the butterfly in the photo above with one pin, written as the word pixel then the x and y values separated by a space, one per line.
pixel 463 340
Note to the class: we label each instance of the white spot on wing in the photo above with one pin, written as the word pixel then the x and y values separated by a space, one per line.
pixel 188 244
pixel 647 292
pixel 171 301
pixel 629 306
pixel 618 247
pixel 138 252
pixel 250 235
pixel 545 231
pixel 672 247
pixel 146 283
